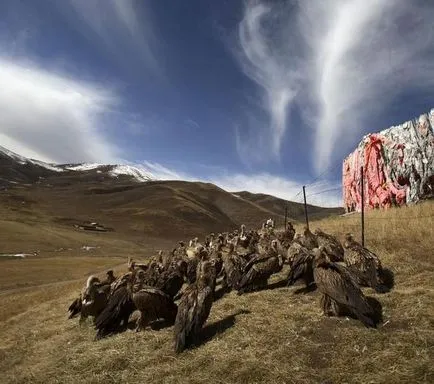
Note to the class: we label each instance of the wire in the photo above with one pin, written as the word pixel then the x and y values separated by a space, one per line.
pixel 324 191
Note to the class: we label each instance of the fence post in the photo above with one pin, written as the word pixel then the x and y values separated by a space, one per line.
pixel 286 216
pixel 305 207
pixel 362 180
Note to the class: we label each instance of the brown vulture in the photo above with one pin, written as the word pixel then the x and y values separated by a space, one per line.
pixel 286 236
pixel 340 291
pixel 194 307
pixel 258 270
pixel 308 239
pixel 331 244
pixel 94 299
pixel 75 307
pixel 171 280
pixel 301 266
pixel 233 265
pixel 153 304
pixel 115 315
pixel 364 264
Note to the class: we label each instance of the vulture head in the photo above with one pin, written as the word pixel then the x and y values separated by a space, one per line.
pixel 231 247
pixel 274 245
pixel 91 281
pixel 320 257
pixel 349 239
pixel 109 273
pixel 207 274
pixel 181 265
pixel 306 231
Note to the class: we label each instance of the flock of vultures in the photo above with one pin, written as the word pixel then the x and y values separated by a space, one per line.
pixel 179 287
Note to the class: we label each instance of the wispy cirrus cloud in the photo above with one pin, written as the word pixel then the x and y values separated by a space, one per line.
pixel 339 62
pixel 123 27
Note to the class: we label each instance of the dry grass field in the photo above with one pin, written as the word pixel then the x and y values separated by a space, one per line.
pixel 272 336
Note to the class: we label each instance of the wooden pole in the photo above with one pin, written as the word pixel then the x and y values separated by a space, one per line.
pixel 363 204
pixel 286 216
pixel 305 207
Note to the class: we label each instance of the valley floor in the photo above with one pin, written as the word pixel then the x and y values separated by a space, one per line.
pixel 272 336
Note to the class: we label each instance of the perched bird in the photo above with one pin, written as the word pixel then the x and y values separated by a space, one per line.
pixel 233 265
pixel 194 307
pixel 285 238
pixel 258 270
pixel 75 307
pixel 301 266
pixel 308 239
pixel 364 264
pixel 340 291
pixel 171 280
pixel 115 316
pixel 153 304
pixel 94 299
pixel 331 245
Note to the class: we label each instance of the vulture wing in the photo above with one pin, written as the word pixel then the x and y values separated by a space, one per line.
pixel 337 282
pixel 301 268
pixel 184 321
pixel 75 308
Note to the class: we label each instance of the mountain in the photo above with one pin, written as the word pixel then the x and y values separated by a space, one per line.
pixel 127 199
pixel 18 169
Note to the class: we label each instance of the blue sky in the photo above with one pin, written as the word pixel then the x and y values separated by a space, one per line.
pixel 256 95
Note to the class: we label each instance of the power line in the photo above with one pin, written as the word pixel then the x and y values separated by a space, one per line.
pixel 324 191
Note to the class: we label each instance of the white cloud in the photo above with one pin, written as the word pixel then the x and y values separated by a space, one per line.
pixel 321 193
pixel 340 62
pixel 51 117
pixel 122 27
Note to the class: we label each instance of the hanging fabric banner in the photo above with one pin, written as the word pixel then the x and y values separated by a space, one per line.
pixel 398 166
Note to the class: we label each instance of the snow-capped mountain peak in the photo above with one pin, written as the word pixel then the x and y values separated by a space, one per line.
pixel 138 172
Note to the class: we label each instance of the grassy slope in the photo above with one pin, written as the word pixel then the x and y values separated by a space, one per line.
pixel 272 336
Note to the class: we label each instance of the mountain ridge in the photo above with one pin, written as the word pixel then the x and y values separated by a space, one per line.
pixel 135 207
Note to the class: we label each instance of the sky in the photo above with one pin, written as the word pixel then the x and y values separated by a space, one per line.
pixel 264 96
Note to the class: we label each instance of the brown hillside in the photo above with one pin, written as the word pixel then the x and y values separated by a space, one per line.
pixel 155 209
pixel 295 210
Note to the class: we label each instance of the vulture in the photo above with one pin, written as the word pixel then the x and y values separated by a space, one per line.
pixel 94 299
pixel 153 304
pixel 171 280
pixel 110 278
pixel 117 312
pixel 364 264
pixel 244 238
pixel 195 306
pixel 257 271
pixel 301 265
pixel 285 238
pixel 340 291
pixel 75 308
pixel 308 239
pixel 331 244
pixel 233 265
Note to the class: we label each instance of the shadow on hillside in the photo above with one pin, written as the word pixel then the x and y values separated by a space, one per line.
pixel 217 328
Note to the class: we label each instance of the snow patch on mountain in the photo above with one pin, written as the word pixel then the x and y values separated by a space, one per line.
pixel 140 174
pixel 25 160
pixel 84 167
